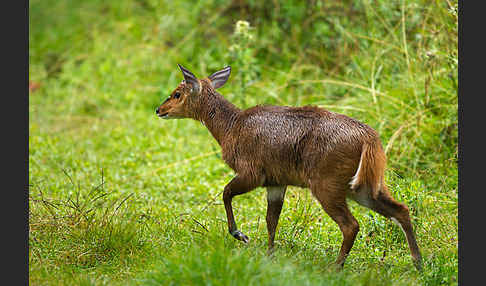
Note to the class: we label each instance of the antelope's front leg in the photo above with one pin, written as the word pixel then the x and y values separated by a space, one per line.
pixel 238 185
pixel 275 199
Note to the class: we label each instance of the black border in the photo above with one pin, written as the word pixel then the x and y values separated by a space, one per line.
pixel 471 88
pixel 15 137
pixel 15 140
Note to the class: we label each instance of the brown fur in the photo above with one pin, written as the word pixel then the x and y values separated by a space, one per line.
pixel 371 172
pixel 278 146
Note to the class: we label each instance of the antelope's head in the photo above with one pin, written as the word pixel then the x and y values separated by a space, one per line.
pixel 184 101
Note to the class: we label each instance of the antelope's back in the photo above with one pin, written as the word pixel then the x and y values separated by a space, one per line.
pixel 289 144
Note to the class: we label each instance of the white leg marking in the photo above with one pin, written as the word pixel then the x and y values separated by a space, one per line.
pixel 397 222
pixel 400 225
pixel 361 196
pixel 275 193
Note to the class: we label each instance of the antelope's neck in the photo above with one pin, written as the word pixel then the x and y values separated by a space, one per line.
pixel 219 116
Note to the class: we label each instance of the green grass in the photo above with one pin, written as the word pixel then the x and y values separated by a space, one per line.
pixel 120 197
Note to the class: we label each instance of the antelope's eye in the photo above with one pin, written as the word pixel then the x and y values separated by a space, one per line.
pixel 177 95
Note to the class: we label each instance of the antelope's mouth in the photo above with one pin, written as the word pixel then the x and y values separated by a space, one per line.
pixel 164 115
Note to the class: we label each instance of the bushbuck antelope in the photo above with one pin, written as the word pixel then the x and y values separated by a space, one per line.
pixel 336 156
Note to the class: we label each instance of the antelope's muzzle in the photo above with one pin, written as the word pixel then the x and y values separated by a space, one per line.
pixel 161 115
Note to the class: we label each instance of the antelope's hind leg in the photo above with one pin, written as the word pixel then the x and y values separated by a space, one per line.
pixel 385 205
pixel 333 200
pixel 275 200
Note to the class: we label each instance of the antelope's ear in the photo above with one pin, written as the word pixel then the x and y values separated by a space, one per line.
pixel 190 78
pixel 220 77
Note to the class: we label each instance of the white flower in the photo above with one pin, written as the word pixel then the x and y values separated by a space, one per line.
pixel 242 27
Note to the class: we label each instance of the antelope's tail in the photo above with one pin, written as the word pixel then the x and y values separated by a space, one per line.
pixel 371 168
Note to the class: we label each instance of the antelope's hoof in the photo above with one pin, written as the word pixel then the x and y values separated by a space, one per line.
pixel 240 236
pixel 418 264
pixel 338 266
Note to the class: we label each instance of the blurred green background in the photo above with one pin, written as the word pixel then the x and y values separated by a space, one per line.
pixel 120 197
